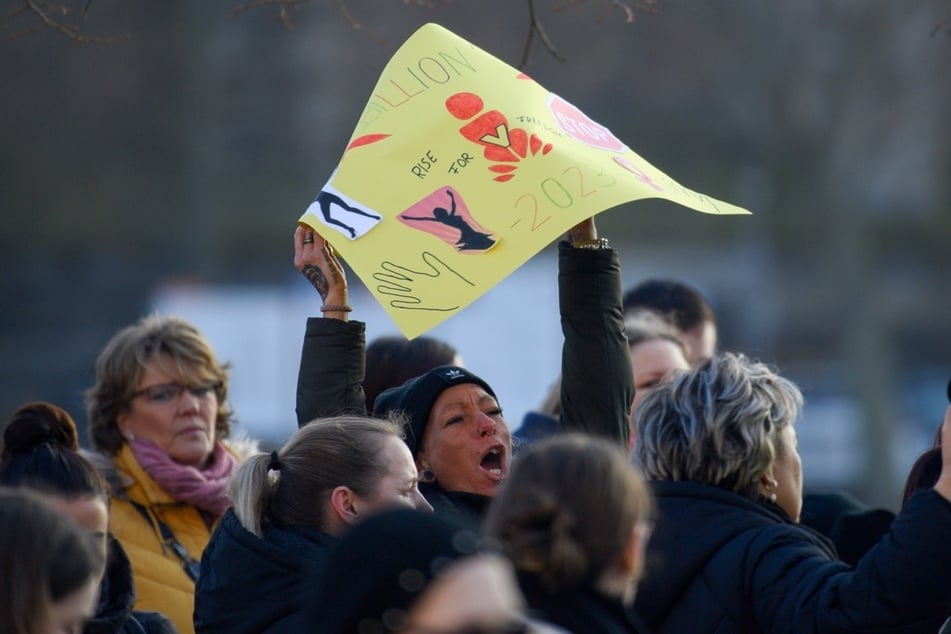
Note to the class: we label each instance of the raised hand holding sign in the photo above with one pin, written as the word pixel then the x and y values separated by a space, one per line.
pixel 464 168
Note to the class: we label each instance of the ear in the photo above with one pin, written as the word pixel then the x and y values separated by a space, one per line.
pixel 421 463
pixel 343 501
pixel 122 423
pixel 768 483
pixel 631 556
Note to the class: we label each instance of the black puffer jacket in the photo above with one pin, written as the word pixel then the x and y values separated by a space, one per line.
pixel 114 613
pixel 581 610
pixel 249 584
pixel 720 563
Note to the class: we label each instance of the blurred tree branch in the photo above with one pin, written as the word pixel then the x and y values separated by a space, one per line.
pixel 69 18
pixel 535 26
pixel 38 15
pixel 943 26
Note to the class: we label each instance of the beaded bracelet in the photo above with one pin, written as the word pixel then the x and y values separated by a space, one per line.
pixel 335 308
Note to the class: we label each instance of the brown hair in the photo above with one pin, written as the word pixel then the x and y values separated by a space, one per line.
pixel 550 514
pixel 392 360
pixel 44 557
pixel 324 454
pixel 642 325
pixel 177 346
pixel 40 451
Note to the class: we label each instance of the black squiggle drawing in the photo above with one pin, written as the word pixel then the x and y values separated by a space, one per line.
pixel 397 280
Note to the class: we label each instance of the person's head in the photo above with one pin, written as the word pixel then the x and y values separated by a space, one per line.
pixel 415 573
pixel 657 352
pixel 456 431
pixel 551 516
pixel 51 567
pixel 332 473
pixel 727 423
pixel 158 381
pixel 684 307
pixel 392 360
pixel 40 453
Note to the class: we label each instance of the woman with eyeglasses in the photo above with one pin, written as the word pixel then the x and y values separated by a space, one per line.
pixel 158 416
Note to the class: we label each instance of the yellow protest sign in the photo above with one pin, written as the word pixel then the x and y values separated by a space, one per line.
pixel 460 169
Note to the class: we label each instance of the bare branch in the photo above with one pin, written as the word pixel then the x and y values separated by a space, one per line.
pixel 357 26
pixel 630 9
pixel 48 15
pixel 535 26
pixel 71 32
pixel 282 6
pixel 942 26
pixel 11 16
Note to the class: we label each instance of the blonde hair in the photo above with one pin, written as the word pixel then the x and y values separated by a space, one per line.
pixel 641 325
pixel 176 346
pixel 322 455
pixel 719 424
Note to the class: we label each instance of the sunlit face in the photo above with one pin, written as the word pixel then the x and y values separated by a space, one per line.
pixel 701 343
pixel 88 512
pixel 787 471
pixel 654 361
pixel 67 615
pixel 399 487
pixel 182 425
pixel 466 443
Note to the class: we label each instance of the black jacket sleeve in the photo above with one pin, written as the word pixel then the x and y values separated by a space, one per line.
pixel 597 382
pixel 903 584
pixel 332 366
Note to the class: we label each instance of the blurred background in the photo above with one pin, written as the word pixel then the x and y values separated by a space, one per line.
pixel 164 169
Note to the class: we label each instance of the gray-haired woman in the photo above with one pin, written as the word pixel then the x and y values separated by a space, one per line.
pixel 719 445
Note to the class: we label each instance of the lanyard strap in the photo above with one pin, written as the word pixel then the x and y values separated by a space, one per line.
pixel 189 564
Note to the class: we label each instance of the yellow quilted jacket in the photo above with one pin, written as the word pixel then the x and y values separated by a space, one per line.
pixel 161 583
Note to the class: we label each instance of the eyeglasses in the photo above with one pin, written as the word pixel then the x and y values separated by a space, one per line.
pixel 171 392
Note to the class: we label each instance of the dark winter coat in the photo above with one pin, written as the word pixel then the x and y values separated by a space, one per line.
pixel 114 613
pixel 249 584
pixel 464 509
pixel 719 562
pixel 582 610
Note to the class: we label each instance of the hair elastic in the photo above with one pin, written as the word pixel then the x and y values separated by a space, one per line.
pixel 275 463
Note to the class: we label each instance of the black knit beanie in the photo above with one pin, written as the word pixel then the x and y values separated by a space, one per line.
pixel 381 567
pixel 416 397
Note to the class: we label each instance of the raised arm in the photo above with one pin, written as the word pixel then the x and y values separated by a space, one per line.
pixel 330 379
pixel 902 584
pixel 597 382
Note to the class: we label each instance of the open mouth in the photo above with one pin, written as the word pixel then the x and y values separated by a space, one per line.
pixel 493 462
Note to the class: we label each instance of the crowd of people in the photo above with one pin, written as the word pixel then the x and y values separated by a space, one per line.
pixel 657 489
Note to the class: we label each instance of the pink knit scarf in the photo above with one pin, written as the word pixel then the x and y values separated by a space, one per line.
pixel 203 488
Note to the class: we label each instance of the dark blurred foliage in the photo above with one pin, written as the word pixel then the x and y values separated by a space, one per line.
pixel 186 142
